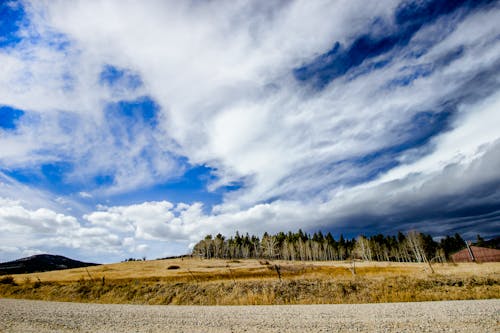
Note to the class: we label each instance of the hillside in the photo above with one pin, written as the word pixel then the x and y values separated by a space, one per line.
pixel 40 263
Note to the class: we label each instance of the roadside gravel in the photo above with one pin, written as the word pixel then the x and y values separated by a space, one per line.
pixel 446 316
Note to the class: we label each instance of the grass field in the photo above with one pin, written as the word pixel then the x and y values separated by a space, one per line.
pixel 217 282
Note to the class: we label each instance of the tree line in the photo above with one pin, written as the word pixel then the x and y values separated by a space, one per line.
pixel 410 247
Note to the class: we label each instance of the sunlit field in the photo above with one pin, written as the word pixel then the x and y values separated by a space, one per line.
pixel 232 282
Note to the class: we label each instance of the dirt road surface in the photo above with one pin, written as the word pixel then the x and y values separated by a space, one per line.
pixel 448 316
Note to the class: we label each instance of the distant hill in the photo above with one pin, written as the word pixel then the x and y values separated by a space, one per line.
pixel 493 243
pixel 40 263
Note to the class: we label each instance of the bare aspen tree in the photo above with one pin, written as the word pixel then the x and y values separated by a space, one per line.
pixel 415 245
pixel 245 251
pixel 362 248
pixel 292 250
pixel 415 240
pixel 218 245
pixel 268 245
pixel 285 251
pixel 341 252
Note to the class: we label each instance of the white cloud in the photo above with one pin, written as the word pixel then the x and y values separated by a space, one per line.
pixel 151 228
pixel 85 195
pixel 157 220
pixel 474 129
pixel 32 230
pixel 233 104
pixel 216 61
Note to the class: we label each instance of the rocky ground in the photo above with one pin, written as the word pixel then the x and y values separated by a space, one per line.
pixel 446 316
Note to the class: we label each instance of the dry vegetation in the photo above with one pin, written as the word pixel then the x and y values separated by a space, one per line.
pixel 217 282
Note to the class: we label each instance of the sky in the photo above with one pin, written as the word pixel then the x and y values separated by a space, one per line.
pixel 135 128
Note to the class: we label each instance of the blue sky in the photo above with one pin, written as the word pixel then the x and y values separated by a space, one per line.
pixel 132 129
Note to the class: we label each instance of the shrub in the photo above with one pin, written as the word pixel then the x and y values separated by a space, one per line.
pixel 37 284
pixel 8 280
pixel 173 267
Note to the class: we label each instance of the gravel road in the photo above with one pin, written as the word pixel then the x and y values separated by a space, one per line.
pixel 448 316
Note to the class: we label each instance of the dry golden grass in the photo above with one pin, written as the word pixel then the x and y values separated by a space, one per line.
pixel 216 282
pixel 217 269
